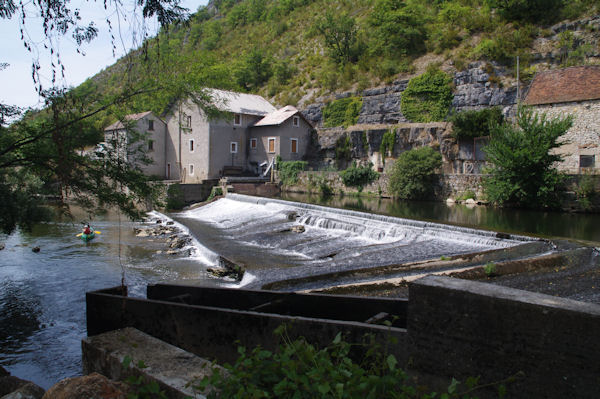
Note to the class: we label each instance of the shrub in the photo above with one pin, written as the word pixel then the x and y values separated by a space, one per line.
pixel 586 190
pixel 175 199
pixel 342 112
pixel 427 97
pixel 298 369
pixel 288 171
pixel 413 173
pixel 490 269
pixel 522 171
pixel 215 192
pixel 359 176
pixel 528 10
pixel 387 143
pixel 471 124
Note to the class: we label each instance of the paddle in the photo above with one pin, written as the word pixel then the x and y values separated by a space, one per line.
pixel 95 231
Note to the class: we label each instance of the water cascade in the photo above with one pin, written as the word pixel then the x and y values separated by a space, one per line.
pixel 280 240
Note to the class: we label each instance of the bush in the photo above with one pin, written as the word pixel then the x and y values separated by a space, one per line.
pixel 175 199
pixel 471 124
pixel 387 143
pixel 359 176
pixel 427 97
pixel 528 10
pixel 297 369
pixel 413 173
pixel 522 171
pixel 343 112
pixel 288 171
pixel 215 192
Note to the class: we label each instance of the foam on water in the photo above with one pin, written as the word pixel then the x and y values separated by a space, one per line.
pixel 198 252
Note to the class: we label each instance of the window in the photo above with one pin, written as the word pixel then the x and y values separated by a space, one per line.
pixel 191 145
pixel 253 144
pixel 587 161
pixel 150 124
pixel 296 121
pixel 294 146
pixel 168 171
pixel 237 120
pixel 150 145
pixel 233 148
pixel 191 169
pixel 272 144
pixel 186 121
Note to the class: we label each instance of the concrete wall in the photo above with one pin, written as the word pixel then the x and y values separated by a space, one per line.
pixel 584 136
pixel 461 328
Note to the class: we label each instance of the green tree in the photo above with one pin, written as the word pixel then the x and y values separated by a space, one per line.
pixel 528 10
pixel 522 171
pixel 413 173
pixel 399 28
pixel 475 123
pixel 340 34
pixel 359 176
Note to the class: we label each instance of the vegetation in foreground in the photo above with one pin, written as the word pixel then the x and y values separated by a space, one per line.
pixel 298 369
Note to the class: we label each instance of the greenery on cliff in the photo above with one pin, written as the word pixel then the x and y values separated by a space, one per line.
pixel 297 50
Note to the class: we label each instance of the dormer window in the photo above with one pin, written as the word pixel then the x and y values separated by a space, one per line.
pixel 237 120
pixel 296 121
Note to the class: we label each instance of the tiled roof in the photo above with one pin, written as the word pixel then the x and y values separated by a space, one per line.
pixel 565 85
pixel 131 117
pixel 240 103
pixel 277 117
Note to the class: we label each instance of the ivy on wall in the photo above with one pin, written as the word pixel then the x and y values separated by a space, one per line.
pixel 387 143
pixel 343 112
pixel 427 97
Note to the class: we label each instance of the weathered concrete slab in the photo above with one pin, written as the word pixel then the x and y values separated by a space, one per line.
pixel 172 367
pixel 463 328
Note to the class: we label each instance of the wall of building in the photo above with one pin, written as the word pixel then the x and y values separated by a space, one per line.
pixel 584 136
pixel 158 136
pixel 283 134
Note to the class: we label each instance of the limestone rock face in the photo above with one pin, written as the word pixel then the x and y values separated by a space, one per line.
pixel 93 386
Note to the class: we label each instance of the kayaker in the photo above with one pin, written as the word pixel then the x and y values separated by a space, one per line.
pixel 87 229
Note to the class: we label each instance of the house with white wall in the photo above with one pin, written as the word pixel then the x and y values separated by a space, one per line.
pixel 572 91
pixel 140 133
pixel 247 134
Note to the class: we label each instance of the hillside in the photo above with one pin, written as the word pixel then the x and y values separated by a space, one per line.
pixel 295 51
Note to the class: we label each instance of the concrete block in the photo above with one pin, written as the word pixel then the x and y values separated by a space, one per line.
pixel 172 367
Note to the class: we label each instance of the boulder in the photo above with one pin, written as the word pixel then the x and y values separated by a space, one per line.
pixel 298 229
pixel 170 223
pixel 142 233
pixel 94 386
pixel 36 249
pixel 227 268
pixel 27 391
pixel 1 247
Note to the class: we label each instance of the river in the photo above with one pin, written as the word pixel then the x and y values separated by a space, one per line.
pixel 42 295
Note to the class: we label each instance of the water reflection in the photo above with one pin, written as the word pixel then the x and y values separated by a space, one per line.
pixel 544 224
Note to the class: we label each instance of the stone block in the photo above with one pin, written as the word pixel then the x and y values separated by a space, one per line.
pixel 171 367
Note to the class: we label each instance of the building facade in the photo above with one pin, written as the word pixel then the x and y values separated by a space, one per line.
pixel 245 136
pixel 572 91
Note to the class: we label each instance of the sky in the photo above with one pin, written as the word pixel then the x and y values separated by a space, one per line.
pixel 16 84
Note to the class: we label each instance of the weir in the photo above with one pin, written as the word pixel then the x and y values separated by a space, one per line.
pixel 309 246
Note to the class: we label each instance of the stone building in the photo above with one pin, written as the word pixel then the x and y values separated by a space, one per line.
pixel 572 91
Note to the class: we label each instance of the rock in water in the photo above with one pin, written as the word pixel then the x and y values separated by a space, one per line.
pixel 94 386
pixel 298 229
pixel 35 249
pixel 1 247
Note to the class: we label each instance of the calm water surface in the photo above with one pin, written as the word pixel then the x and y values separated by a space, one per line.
pixel 42 295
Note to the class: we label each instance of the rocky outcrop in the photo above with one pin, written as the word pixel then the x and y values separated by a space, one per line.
pixel 475 88
pixel 94 386
pixel 12 387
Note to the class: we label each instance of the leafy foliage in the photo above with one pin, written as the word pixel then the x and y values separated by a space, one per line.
pixel 476 123
pixel 413 173
pixel 359 176
pixel 342 112
pixel 427 97
pixel 528 10
pixel 339 31
pixel 297 369
pixel 387 143
pixel 399 28
pixel 175 199
pixel 288 171
pixel 521 171
pixel 343 152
